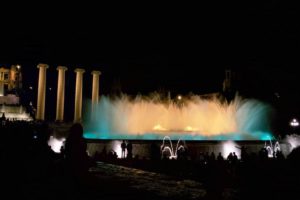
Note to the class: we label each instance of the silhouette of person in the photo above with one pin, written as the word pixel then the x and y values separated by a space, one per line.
pixel 115 155
pixel 244 154
pixel 3 119
pixel 129 150
pixel 46 157
pixel 155 151
pixel 206 157
pixel 123 147
pixel 234 158
pixel 104 153
pixel 76 155
pixel 263 154
pixel 230 157
pixel 202 158
pixel 220 157
pixel 180 153
pixel 279 155
pixel 212 157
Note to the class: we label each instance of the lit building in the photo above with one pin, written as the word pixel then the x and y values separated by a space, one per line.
pixel 10 84
pixel 10 79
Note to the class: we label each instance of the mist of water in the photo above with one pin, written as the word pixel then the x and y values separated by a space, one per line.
pixel 190 118
pixel 293 141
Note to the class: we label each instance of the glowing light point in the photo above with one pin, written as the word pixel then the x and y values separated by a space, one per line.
pixel 189 128
pixel 230 147
pixel 294 123
pixel 56 144
pixel 158 127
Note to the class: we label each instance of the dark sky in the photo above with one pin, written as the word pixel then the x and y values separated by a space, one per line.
pixel 147 48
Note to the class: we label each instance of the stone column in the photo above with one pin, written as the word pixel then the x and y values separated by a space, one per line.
pixel 95 93
pixel 78 95
pixel 60 99
pixel 95 89
pixel 1 88
pixel 40 113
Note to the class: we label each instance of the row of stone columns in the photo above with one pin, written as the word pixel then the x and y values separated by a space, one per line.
pixel 40 114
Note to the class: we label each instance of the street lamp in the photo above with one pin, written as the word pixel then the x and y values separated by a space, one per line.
pixel 294 123
pixel 179 101
pixel 179 97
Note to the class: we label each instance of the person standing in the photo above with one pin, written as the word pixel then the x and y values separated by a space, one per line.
pixel 129 150
pixel 123 147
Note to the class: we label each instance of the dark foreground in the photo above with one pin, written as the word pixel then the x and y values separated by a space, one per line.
pixel 30 171
pixel 110 181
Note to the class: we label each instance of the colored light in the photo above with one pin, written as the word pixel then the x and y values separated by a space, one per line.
pixel 197 119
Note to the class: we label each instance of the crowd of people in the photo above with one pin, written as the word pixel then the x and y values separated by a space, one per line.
pixel 28 161
pixel 25 155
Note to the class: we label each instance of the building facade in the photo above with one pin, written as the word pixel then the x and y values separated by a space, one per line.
pixel 10 83
pixel 10 79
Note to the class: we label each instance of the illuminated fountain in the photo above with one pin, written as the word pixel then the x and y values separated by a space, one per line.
pixel 272 149
pixel 56 144
pixel 292 141
pixel 168 151
pixel 194 118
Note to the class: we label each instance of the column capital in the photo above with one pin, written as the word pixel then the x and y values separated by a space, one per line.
pixel 79 70
pixel 41 65
pixel 62 68
pixel 96 72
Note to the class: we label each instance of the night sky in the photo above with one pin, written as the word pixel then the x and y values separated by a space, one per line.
pixel 182 50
